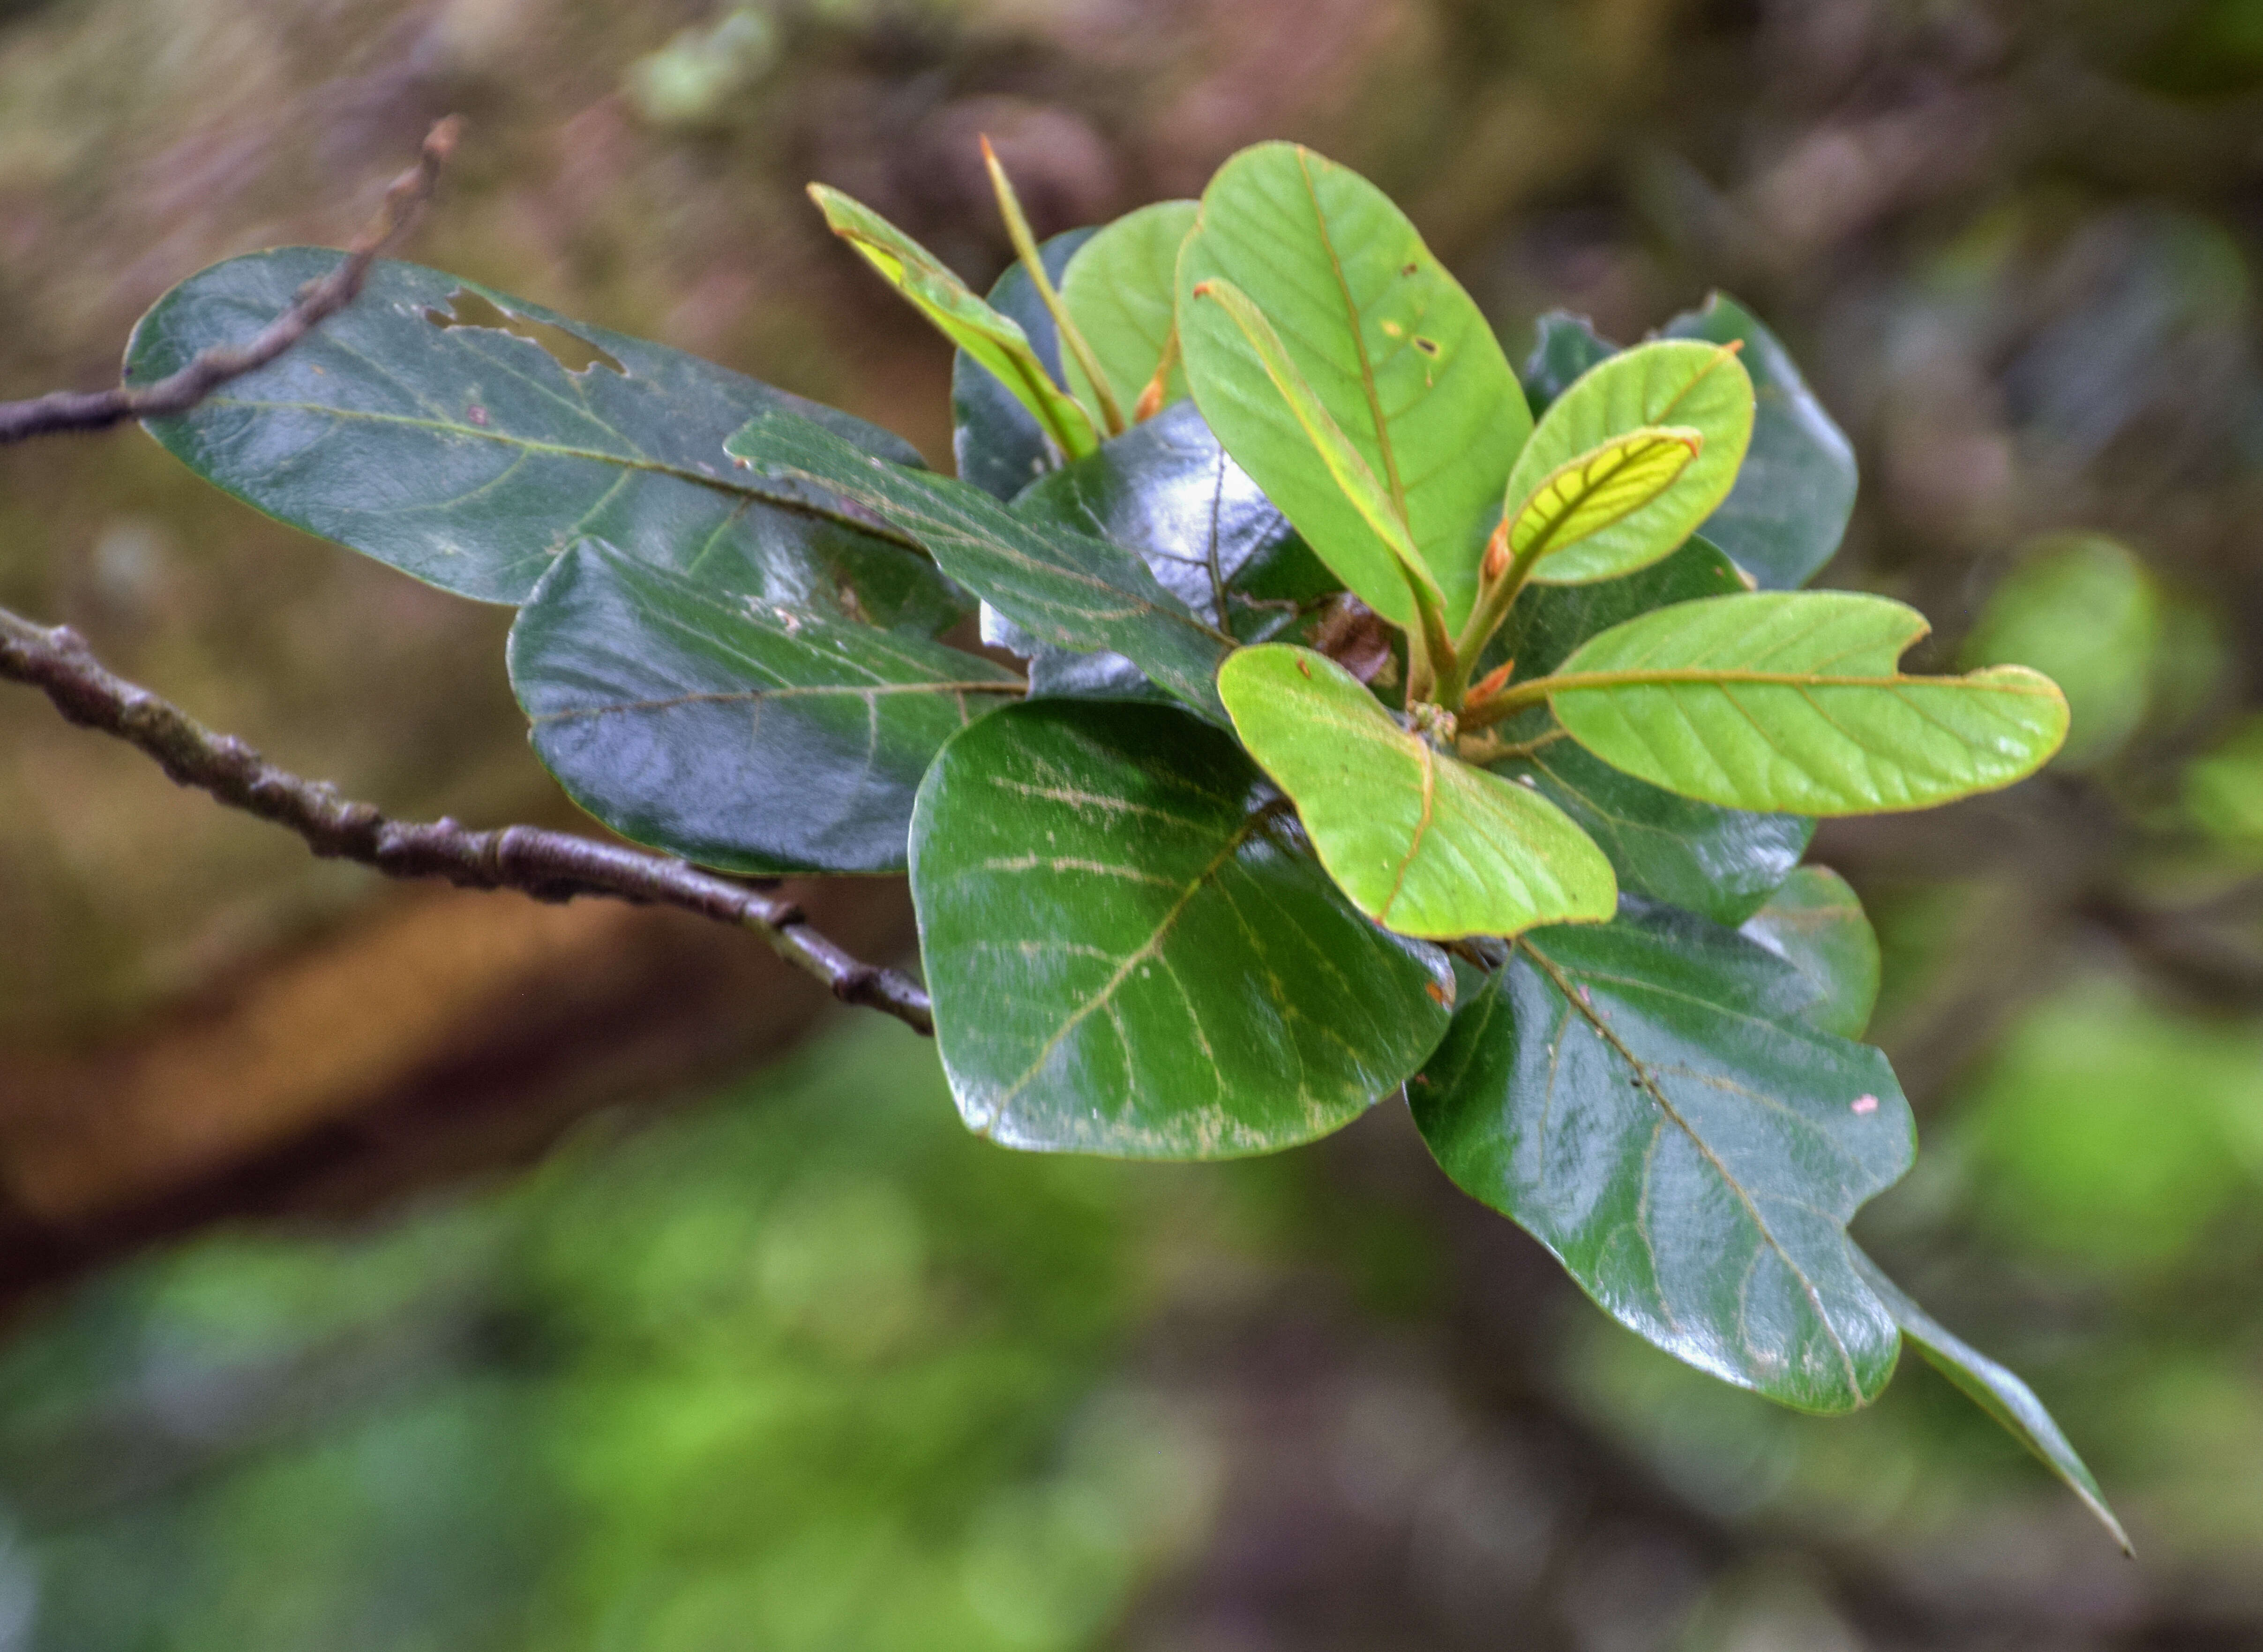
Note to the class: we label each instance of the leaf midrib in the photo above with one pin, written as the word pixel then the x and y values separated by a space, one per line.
pixel 1651 1087
pixel 1356 325
pixel 623 461
pixel 1538 689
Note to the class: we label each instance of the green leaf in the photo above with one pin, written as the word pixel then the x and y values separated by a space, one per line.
pixel 1068 590
pixel 2086 612
pixel 1388 563
pixel 997 443
pixel 1393 347
pixel 1585 494
pixel 471 456
pixel 1121 291
pixel 1815 923
pixel 1166 490
pixel 1132 951
pixel 1564 347
pixel 1790 700
pixel 1996 1391
pixel 1647 1100
pixel 996 341
pixel 1785 518
pixel 734 732
pixel 1721 863
pixel 1684 385
pixel 1419 840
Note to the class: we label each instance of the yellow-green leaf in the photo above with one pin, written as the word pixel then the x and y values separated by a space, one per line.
pixel 1420 841
pixel 997 342
pixel 1584 496
pixel 1668 382
pixel 1396 353
pixel 1377 569
pixel 1119 290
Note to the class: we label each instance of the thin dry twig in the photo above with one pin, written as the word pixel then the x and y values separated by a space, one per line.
pixel 548 865
pixel 74 410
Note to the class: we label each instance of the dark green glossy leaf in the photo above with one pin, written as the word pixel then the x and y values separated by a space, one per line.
pixel 1166 490
pixel 1393 349
pixel 1419 841
pixel 1995 1390
pixel 1661 383
pixel 1566 347
pixel 1647 1100
pixel 1067 590
pixel 1785 518
pixel 471 457
pixel 1722 863
pixel 732 732
pixel 1792 700
pixel 1816 923
pixel 1133 952
pixel 997 443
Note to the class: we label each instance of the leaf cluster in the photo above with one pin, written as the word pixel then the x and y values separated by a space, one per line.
pixel 1384 718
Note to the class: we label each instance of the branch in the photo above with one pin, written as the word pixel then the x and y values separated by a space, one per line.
pixel 64 410
pixel 546 865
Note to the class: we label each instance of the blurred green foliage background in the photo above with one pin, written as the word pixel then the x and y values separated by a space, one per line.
pixel 798 1363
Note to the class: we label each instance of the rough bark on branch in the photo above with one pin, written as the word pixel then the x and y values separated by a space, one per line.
pixel 548 865
pixel 68 411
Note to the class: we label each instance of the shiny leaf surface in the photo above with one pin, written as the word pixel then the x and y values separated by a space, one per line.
pixel 1068 590
pixel 1132 951
pixel 1995 1390
pixel 1816 923
pixel 1790 700
pixel 1649 1102
pixel 1121 291
pixel 732 732
pixel 1394 349
pixel 474 455
pixel 1684 385
pixel 1785 518
pixel 996 442
pixel 994 339
pixel 1166 490
pixel 1420 841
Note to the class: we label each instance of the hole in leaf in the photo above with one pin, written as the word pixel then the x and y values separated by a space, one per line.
pixel 570 350
pixel 1428 346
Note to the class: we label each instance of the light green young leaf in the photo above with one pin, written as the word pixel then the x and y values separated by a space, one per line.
pixel 1816 923
pixel 1392 346
pixel 1121 291
pixel 1995 1390
pixel 1379 580
pixel 1647 1099
pixel 996 341
pixel 1420 841
pixel 1790 700
pixel 1067 588
pixel 1701 387
pixel 1585 494
pixel 1132 951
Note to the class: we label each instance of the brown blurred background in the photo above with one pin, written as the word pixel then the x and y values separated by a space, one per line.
pixel 2015 244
